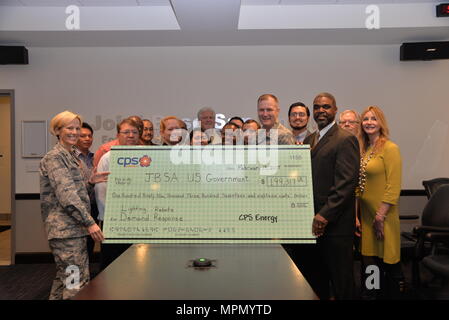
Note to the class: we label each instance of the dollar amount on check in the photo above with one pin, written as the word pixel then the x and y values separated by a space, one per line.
pixel 211 194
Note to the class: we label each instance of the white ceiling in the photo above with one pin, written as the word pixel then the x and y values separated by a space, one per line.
pixel 218 22
pixel 82 3
pixel 124 3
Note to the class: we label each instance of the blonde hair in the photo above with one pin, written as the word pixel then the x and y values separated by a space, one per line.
pixel 267 96
pixel 355 113
pixel 384 132
pixel 162 125
pixel 62 119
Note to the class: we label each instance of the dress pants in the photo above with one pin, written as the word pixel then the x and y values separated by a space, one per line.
pixel 90 241
pixel 72 267
pixel 328 265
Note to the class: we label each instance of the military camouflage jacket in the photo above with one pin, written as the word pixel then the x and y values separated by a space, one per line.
pixel 284 135
pixel 65 204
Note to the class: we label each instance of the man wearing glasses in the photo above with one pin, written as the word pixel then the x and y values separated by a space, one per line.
pixel 104 148
pixel 298 117
pixel 335 168
pixel 128 134
pixel 350 120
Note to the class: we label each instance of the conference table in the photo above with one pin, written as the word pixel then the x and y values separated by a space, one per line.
pixel 167 272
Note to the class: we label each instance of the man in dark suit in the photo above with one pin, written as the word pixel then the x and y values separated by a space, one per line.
pixel 335 170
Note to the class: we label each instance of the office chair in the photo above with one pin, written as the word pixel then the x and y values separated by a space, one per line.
pixel 438 261
pixel 434 220
pixel 430 186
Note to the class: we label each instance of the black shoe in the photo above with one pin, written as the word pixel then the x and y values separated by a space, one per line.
pixel 396 288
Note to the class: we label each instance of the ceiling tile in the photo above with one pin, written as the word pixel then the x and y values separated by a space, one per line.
pixel 49 3
pixel 302 2
pixel 154 2
pixel 415 1
pixel 109 3
pixel 12 3
pixel 260 2
pixel 365 2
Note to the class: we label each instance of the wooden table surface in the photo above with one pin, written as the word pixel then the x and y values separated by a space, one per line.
pixel 163 272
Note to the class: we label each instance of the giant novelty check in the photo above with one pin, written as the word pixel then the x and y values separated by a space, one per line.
pixel 210 194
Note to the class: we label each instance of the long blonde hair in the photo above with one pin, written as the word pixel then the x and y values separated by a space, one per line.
pixel 384 132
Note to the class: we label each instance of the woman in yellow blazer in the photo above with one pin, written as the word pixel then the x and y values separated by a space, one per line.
pixel 378 193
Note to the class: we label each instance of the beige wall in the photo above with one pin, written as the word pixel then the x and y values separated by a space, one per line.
pixel 5 151
pixel 110 83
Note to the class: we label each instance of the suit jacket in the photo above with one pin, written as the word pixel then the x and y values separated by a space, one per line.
pixel 308 133
pixel 335 172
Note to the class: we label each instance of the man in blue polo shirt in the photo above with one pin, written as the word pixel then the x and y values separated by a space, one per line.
pixel 87 157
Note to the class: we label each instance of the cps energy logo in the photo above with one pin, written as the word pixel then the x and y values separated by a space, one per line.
pixel 133 162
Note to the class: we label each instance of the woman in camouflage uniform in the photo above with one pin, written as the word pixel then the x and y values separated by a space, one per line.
pixel 65 207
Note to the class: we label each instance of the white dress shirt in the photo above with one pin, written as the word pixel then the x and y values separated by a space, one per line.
pixel 100 188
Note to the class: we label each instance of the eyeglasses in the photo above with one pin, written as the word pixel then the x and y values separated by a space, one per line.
pixel 297 114
pixel 348 122
pixel 147 129
pixel 127 133
pixel 324 106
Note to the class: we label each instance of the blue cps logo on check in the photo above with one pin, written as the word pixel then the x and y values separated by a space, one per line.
pixel 129 162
